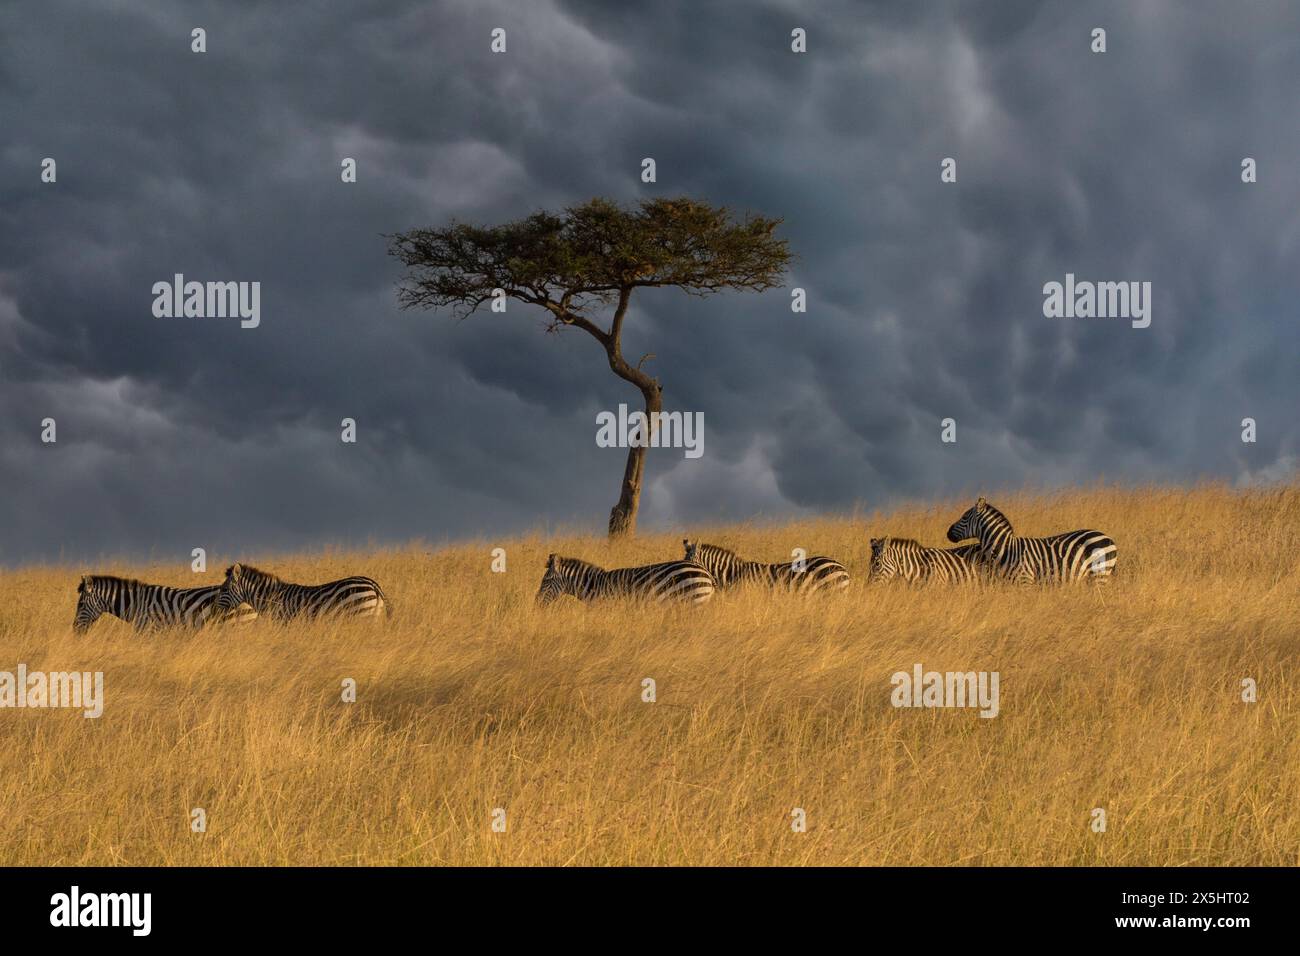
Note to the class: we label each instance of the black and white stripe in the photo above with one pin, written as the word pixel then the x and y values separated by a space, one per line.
pixel 1072 556
pixel 151 605
pixel 729 569
pixel 282 601
pixel 908 559
pixel 670 581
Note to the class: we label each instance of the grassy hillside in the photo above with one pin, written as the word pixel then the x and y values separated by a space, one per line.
pixel 1125 697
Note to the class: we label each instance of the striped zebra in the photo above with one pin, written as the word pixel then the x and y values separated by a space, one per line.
pixel 150 605
pixel 670 581
pixel 728 569
pixel 282 601
pixel 1072 556
pixel 906 558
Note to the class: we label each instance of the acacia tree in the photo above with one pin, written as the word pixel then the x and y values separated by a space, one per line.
pixel 589 259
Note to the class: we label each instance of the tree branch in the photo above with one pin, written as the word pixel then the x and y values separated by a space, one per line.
pixel 620 313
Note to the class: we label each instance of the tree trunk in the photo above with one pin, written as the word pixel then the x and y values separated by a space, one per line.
pixel 622 517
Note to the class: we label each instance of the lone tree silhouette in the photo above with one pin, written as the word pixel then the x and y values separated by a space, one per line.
pixel 587 257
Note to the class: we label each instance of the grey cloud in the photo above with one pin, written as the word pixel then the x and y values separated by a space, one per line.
pixel 924 298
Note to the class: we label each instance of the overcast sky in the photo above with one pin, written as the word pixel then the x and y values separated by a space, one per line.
pixel 925 299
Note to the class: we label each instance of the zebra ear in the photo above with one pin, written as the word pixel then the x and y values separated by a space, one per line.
pixel 81 588
pixel 550 562
pixel 979 505
pixel 232 571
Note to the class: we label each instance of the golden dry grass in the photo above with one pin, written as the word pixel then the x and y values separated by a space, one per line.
pixel 1124 697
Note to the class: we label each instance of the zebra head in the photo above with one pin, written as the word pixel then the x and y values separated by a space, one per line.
pixel 882 566
pixel 970 524
pixel 553 581
pixel 234 592
pixel 889 558
pixel 92 601
pixel 568 576
pixel 245 584
pixel 719 562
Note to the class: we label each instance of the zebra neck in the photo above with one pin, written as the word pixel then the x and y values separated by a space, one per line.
pixel 121 605
pixel 267 596
pixel 997 541
pixel 589 582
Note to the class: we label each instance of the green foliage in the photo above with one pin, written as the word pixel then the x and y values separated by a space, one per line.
pixel 590 253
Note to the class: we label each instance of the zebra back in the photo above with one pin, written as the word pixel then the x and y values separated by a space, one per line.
pixel 266 593
pixel 1072 556
pixel 684 581
pixel 908 559
pixel 729 570
pixel 149 605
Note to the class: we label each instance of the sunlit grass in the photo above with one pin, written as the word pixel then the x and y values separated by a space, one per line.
pixel 1125 697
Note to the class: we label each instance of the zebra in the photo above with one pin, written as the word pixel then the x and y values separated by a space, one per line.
pixel 906 558
pixel 150 605
pixel 728 568
pixel 669 581
pixel 267 594
pixel 1072 556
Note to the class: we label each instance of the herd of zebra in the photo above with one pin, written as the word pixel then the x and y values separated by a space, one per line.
pixel 243 596
pixel 997 553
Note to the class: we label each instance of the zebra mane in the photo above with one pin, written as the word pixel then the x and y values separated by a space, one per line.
pixel 911 544
pixel 990 510
pixel 103 578
pixel 247 571
pixel 93 581
pixel 576 564
pixel 717 550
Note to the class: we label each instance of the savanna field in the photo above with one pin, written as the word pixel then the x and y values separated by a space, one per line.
pixel 1125 696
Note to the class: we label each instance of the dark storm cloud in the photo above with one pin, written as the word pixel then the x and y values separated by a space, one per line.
pixel 924 298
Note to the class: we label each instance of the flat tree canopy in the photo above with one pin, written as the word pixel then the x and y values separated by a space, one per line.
pixel 591 257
